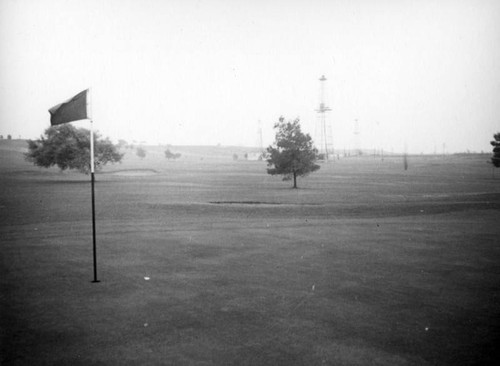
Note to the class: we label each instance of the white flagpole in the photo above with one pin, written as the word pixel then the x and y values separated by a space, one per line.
pixel 92 179
pixel 91 147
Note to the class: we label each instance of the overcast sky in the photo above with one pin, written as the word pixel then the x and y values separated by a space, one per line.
pixel 424 73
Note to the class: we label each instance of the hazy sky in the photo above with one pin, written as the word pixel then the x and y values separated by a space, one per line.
pixel 205 72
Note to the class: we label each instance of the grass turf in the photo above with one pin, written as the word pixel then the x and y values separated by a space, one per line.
pixel 366 264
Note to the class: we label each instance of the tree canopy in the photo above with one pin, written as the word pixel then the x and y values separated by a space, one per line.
pixel 495 159
pixel 293 154
pixel 68 147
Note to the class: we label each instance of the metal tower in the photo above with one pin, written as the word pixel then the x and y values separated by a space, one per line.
pixel 323 129
pixel 357 147
pixel 259 132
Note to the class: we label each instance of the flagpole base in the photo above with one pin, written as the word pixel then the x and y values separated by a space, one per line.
pixel 96 281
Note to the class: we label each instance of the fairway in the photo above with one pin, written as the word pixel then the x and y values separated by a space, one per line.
pixel 210 261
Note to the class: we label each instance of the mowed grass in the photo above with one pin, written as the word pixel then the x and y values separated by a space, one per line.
pixel 365 264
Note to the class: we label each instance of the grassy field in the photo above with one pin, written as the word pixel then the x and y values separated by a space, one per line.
pixel 365 264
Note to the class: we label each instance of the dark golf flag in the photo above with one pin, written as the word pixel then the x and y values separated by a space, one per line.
pixel 73 109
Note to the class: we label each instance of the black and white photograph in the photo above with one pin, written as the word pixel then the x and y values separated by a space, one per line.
pixel 261 183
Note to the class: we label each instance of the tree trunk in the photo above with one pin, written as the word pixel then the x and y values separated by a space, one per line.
pixel 294 180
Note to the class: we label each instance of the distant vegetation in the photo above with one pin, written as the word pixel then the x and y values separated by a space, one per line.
pixel 293 154
pixel 122 144
pixel 495 159
pixel 141 152
pixel 68 147
pixel 170 155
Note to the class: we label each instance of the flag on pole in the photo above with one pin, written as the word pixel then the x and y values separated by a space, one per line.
pixel 73 109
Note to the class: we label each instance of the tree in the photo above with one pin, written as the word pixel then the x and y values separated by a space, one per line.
pixel 495 159
pixel 68 147
pixel 293 154
pixel 141 152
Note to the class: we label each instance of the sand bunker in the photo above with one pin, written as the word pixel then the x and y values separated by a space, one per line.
pixel 134 172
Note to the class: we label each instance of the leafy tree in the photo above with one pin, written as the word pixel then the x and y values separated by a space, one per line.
pixel 68 147
pixel 141 152
pixel 293 154
pixel 9 137
pixel 495 159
